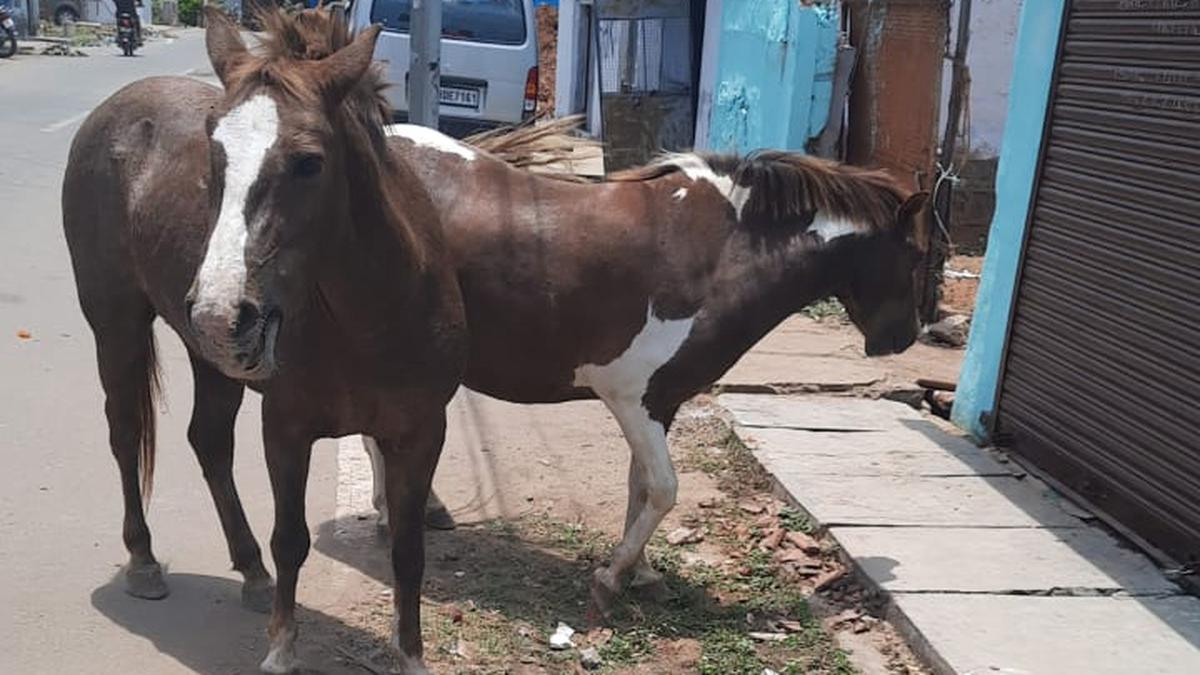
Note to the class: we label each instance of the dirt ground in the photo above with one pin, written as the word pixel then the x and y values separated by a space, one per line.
pixel 539 492
pixel 958 294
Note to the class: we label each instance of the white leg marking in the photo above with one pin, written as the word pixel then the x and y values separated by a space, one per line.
pixel 694 167
pixel 281 659
pixel 648 439
pixel 622 384
pixel 409 664
pixel 378 486
pixel 431 138
pixel 246 133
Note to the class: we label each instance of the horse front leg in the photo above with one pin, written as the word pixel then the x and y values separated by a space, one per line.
pixel 288 455
pixel 210 432
pixel 650 499
pixel 437 516
pixel 408 466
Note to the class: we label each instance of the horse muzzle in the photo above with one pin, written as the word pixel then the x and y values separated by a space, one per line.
pixel 239 339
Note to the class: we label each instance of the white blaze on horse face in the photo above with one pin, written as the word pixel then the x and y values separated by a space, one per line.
pixel 828 228
pixel 694 167
pixel 246 133
pixel 431 138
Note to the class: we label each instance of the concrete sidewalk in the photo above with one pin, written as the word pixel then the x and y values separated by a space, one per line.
pixel 987 570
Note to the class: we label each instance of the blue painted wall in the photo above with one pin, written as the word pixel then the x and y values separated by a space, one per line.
pixel 774 74
pixel 1033 70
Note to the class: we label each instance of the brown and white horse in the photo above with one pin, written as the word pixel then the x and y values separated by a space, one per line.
pixel 272 229
pixel 644 289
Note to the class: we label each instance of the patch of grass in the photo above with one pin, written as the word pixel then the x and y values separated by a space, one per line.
pixel 826 308
pixel 728 652
pixel 795 521
pixel 731 463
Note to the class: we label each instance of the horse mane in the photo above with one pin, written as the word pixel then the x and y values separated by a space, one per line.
pixel 786 186
pixel 289 38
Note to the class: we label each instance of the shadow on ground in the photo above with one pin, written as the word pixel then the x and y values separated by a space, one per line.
pixel 203 626
pixel 525 577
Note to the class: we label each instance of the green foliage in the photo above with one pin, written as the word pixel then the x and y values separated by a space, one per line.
pixel 189 12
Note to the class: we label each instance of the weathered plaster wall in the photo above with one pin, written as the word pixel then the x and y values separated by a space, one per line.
pixel 774 74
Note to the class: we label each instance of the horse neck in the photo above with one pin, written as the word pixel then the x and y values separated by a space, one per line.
pixel 379 261
pixel 768 282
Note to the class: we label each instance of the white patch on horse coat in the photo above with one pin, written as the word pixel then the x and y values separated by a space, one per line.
pixel 281 658
pixel 629 373
pixel 679 194
pixel 431 138
pixel 246 133
pixel 694 167
pixel 828 229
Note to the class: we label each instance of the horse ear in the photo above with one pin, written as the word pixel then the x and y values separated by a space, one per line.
pixel 225 46
pixel 344 68
pixel 914 217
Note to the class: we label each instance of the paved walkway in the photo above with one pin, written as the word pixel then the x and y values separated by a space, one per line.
pixel 987 569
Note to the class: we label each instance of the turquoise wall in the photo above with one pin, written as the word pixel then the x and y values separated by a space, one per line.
pixel 1033 71
pixel 774 74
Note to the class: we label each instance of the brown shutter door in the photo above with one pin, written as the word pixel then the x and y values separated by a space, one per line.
pixel 1101 387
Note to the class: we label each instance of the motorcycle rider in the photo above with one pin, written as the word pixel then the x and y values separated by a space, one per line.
pixel 130 7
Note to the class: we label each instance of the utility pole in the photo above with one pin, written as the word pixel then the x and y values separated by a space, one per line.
pixel 425 62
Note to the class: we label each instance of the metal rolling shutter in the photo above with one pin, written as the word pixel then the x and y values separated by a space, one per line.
pixel 1101 387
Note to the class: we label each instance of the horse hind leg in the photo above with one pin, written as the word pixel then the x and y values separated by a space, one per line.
pixel 125 354
pixel 210 432
pixel 437 516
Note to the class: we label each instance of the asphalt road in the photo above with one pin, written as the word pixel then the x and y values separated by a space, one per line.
pixel 60 502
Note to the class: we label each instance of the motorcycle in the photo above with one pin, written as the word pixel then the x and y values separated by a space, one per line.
pixel 8 34
pixel 127 37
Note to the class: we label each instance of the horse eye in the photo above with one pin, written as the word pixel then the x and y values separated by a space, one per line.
pixel 308 166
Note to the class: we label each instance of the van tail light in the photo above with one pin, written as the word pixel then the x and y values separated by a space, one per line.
pixel 531 93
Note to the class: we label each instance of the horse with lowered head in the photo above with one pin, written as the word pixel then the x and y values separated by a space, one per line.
pixel 644 289
pixel 271 227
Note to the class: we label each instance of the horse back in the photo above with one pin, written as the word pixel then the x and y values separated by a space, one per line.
pixel 134 192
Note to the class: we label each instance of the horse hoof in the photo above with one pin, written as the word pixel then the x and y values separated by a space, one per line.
pixel 439 519
pixel 258 595
pixel 146 582
pixel 602 597
pixel 654 589
pixel 281 660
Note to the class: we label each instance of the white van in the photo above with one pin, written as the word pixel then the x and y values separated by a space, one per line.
pixel 489 59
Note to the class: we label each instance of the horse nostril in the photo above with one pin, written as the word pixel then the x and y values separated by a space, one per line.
pixel 247 318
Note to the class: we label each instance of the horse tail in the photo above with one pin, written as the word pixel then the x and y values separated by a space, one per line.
pixel 149 386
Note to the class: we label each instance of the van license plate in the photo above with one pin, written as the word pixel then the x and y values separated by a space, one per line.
pixel 460 97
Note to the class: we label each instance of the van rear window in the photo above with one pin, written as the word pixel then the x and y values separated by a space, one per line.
pixel 494 21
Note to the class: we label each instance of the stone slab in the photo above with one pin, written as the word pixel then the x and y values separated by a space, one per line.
pixel 901 452
pixel 998 560
pixel 921 501
pixel 1031 635
pixel 758 368
pixel 817 413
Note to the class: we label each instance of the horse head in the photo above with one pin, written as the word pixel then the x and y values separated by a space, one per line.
pixel 883 293
pixel 278 183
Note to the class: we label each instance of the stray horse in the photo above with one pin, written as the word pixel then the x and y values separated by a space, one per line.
pixel 272 229
pixel 644 289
